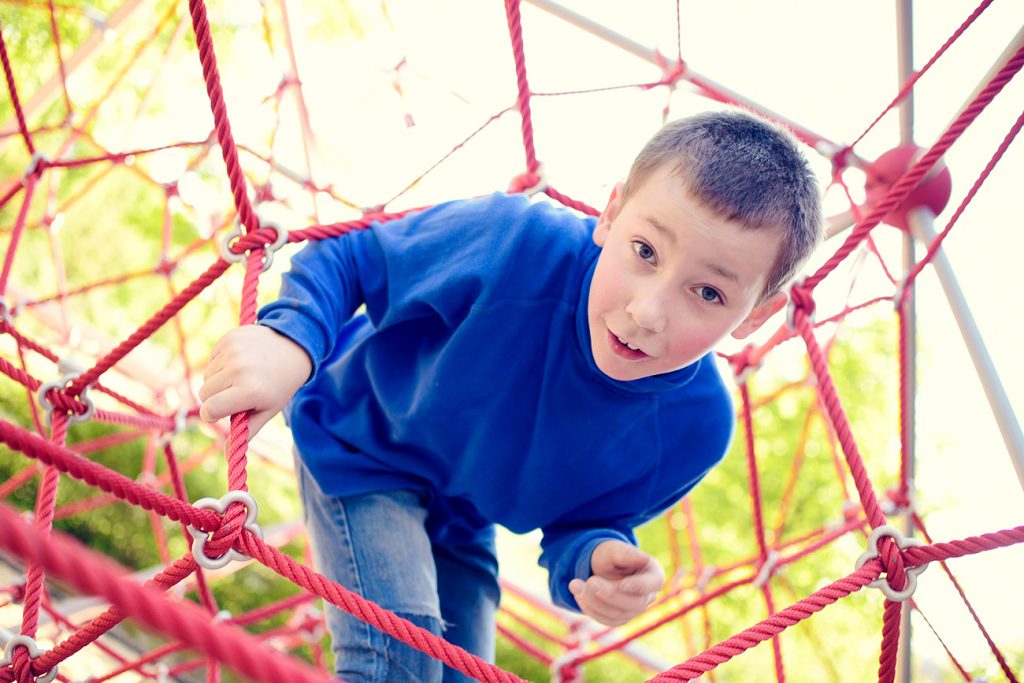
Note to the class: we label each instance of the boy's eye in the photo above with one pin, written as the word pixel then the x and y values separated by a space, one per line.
pixel 643 250
pixel 709 294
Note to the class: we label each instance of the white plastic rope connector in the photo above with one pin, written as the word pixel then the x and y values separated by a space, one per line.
pixel 180 424
pixel 33 652
pixel 767 569
pixel 38 159
pixel 5 311
pixel 558 666
pixel 62 383
pixel 221 506
pixel 540 185
pixel 268 250
pixel 902 542
pixel 791 306
pixel 705 578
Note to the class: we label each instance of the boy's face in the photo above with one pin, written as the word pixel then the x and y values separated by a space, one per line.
pixel 672 280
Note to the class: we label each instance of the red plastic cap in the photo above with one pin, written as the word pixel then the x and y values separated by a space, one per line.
pixel 932 192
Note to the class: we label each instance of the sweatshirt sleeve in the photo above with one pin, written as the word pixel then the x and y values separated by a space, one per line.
pixel 327 282
pixel 566 555
pixel 436 262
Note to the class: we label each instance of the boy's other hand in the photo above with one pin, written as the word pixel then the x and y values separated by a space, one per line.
pixel 624 582
pixel 252 368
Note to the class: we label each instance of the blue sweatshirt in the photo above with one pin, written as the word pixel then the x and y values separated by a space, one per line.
pixel 469 378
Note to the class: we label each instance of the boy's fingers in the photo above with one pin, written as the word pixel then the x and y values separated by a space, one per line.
pixel 630 557
pixel 227 402
pixel 607 597
pixel 643 583
pixel 214 366
pixel 213 385
pixel 617 559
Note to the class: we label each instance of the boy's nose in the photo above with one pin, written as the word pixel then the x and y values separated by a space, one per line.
pixel 647 311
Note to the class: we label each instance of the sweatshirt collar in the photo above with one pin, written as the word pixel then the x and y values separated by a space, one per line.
pixel 645 385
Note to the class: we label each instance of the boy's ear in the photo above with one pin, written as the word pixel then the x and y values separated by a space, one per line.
pixel 760 314
pixel 611 210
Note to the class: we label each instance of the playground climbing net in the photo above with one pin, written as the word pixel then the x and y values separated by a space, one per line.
pixel 166 271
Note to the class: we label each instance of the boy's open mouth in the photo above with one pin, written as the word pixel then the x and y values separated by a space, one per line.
pixel 624 349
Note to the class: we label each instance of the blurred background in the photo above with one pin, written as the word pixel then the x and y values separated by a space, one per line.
pixel 346 106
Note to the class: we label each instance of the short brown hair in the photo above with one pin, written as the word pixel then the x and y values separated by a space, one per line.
pixel 747 170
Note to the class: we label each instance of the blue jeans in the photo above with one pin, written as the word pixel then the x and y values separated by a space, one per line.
pixel 377 545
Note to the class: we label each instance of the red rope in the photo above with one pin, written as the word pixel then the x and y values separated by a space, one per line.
pixel 94 574
pixel 933 248
pixel 55 32
pixel 150 326
pixel 94 474
pixel 373 614
pixel 13 90
pixel 515 29
pixel 208 59
pixel 227 529
pixel 909 180
pixel 830 400
pixel 19 226
pixel 773 625
pixel 88 633
pixel 890 640
pixel 1003 664
pixel 759 534
pixel 777 623
pixel 909 85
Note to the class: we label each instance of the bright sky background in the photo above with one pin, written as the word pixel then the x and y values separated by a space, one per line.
pixel 829 66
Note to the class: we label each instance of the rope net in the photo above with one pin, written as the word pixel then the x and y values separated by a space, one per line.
pixel 103 344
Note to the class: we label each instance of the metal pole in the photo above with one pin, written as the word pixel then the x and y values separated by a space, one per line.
pixel 921 221
pixel 905 70
pixel 1012 48
pixel 822 145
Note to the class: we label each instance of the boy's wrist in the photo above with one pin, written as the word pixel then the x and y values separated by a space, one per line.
pixel 308 347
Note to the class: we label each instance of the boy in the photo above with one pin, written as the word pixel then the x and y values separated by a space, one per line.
pixel 519 365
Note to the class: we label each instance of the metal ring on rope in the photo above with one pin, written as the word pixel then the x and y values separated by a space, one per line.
pixel 224 246
pixel 902 542
pixel 221 506
pixel 33 653
pixel 47 405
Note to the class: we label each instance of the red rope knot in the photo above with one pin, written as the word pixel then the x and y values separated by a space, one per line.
pixel 898 501
pixel 258 239
pixel 265 192
pixel 17 592
pixel 745 362
pixel 841 162
pixel 851 511
pixel 767 569
pixel 671 72
pixel 566 669
pixel 800 297
pixel 222 540
pixel 309 621
pixel 54 395
pixel 19 652
pixel 165 266
pixel 900 581
pixel 6 312
pixel 528 182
